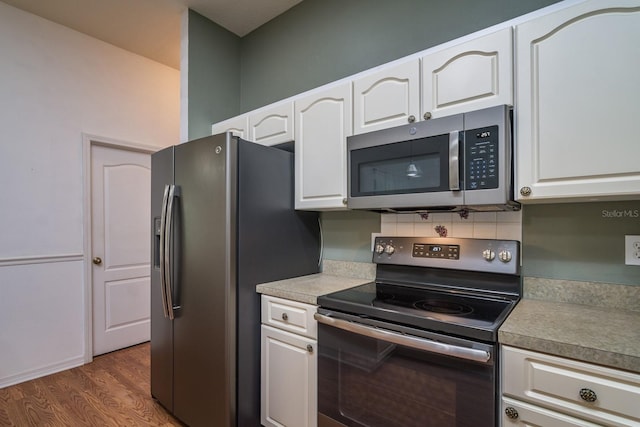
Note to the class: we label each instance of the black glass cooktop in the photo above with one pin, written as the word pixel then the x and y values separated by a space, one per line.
pixel 447 311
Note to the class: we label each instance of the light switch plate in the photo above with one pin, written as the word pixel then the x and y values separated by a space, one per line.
pixel 632 250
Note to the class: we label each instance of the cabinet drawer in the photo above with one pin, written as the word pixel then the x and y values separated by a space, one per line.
pixel 609 396
pixel 292 316
pixel 527 415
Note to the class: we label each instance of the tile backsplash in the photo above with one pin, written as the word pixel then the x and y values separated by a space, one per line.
pixel 479 225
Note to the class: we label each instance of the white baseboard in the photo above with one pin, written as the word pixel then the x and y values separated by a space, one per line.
pixel 41 372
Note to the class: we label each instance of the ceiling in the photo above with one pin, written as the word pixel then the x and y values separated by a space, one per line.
pixel 151 28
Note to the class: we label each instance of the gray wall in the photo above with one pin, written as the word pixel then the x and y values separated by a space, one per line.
pixel 214 74
pixel 347 234
pixel 580 241
pixel 320 41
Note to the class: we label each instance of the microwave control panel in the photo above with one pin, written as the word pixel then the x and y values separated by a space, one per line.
pixel 481 158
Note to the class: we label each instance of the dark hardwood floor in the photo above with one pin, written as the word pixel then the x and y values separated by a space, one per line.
pixel 113 390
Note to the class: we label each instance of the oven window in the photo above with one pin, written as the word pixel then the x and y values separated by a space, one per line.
pixel 417 166
pixel 367 382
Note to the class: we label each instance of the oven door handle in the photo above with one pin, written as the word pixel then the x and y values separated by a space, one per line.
pixel 406 340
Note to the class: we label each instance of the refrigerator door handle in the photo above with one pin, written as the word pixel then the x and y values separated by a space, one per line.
pixel 174 192
pixel 163 254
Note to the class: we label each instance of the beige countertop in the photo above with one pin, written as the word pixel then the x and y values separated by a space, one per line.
pixel 336 276
pixel 604 335
pixel 307 289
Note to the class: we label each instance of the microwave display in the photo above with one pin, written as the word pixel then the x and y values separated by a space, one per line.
pixel 481 152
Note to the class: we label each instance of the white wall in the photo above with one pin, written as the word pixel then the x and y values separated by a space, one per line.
pixel 55 85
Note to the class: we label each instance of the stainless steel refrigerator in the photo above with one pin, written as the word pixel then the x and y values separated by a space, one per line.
pixel 223 221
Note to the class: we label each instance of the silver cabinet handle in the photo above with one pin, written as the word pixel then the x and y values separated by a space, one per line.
pixel 427 115
pixel 454 160
pixel 406 340
pixel 97 260
pixel 164 261
pixel 411 118
pixel 525 191
pixel 309 348
pixel 285 316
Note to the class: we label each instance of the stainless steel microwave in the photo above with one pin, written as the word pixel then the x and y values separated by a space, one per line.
pixel 464 161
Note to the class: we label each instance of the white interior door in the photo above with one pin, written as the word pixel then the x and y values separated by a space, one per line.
pixel 120 209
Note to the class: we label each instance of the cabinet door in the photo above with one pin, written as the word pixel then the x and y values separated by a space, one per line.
pixel 237 125
pixel 273 125
pixel 525 415
pixel 288 379
pixel 472 75
pixel 386 98
pixel 323 122
pixel 577 103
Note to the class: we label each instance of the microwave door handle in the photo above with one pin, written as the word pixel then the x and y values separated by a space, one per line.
pixel 454 160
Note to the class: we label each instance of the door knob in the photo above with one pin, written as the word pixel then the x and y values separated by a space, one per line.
pixel 97 260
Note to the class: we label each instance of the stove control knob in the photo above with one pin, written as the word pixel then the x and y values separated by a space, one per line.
pixel 389 249
pixel 504 256
pixel 488 254
pixel 379 248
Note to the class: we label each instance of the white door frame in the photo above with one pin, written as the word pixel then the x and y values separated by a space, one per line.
pixel 88 141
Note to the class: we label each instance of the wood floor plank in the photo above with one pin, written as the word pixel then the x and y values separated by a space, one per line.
pixel 113 390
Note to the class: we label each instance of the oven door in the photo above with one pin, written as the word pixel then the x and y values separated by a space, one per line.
pixel 370 376
pixel 407 167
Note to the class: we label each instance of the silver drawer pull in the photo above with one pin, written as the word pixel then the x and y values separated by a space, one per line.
pixel 588 395
pixel 285 316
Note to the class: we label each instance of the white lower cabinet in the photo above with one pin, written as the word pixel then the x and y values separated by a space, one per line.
pixel 543 390
pixel 288 364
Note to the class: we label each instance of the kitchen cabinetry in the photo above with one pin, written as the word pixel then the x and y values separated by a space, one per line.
pixel 387 98
pixel 289 364
pixel 540 389
pixel 322 124
pixel 273 125
pixel 472 75
pixel 577 103
pixel 239 126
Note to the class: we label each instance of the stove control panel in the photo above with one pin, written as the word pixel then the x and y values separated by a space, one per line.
pixel 497 256
pixel 422 250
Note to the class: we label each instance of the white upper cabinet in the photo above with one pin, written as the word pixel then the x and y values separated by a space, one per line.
pixel 273 125
pixel 386 98
pixel 578 98
pixel 472 75
pixel 322 124
pixel 239 126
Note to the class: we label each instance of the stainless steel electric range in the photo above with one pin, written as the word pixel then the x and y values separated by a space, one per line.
pixel 418 347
